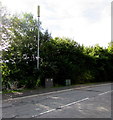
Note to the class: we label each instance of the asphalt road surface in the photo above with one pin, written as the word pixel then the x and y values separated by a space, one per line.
pixel 84 102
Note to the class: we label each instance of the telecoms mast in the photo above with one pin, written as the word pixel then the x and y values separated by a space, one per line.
pixel 38 15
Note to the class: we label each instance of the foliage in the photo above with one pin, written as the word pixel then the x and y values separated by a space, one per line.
pixel 60 58
pixel 20 55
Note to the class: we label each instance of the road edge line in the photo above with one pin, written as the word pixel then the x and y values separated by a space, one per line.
pixel 59 91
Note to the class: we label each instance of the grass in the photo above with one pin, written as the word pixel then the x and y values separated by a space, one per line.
pixel 14 91
pixel 11 91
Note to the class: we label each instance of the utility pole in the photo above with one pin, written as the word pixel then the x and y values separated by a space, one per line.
pixel 38 15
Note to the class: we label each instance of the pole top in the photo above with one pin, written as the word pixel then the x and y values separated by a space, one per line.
pixel 38 11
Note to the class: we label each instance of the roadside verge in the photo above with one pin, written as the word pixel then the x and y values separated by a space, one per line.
pixel 45 91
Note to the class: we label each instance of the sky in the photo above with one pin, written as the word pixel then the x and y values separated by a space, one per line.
pixel 86 21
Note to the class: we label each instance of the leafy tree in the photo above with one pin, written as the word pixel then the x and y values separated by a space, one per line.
pixel 60 58
pixel 20 56
pixel 5 23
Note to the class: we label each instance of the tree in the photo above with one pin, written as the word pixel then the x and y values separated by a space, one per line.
pixel 20 55
pixel 5 23
pixel 60 58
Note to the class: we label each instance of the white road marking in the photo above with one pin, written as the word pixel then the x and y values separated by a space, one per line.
pixel 62 106
pixel 74 102
pixel 47 111
pixel 105 92
pixel 94 85
pixel 19 98
pixel 102 108
pixel 43 106
pixel 69 104
pixel 44 112
pixel 53 97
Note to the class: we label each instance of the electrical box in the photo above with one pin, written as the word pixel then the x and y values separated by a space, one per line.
pixel 49 82
pixel 68 82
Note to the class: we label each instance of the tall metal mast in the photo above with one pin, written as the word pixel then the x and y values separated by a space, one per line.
pixel 38 15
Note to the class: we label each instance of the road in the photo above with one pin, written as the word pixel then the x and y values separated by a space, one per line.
pixel 83 102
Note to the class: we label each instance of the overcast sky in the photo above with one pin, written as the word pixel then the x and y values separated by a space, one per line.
pixel 86 21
